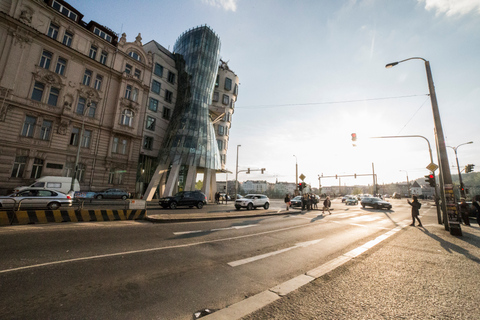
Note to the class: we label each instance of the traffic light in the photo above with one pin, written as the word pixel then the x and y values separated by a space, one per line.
pixel 354 137
pixel 300 186
pixel 469 168
pixel 430 179
pixel 263 169
pixel 248 171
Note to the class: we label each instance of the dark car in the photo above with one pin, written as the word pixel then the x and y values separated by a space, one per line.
pixel 296 202
pixel 36 198
pixel 375 203
pixel 184 198
pixel 112 194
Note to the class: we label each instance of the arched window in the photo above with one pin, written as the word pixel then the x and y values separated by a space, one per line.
pixel 135 55
pixel 127 117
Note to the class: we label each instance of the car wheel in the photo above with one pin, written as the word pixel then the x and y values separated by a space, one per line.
pixel 250 206
pixel 124 197
pixel 173 205
pixel 99 197
pixel 266 206
pixel 200 205
pixel 238 208
pixel 363 205
pixel 375 207
pixel 53 205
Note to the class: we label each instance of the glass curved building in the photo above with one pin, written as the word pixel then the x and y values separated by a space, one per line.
pixel 190 144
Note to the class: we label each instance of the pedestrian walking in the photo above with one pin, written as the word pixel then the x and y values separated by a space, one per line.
pixel 309 202
pixel 217 197
pixel 326 205
pixel 476 205
pixel 287 201
pixel 314 201
pixel 415 210
pixel 463 208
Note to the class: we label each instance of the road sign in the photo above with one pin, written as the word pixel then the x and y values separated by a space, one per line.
pixel 432 167
pixel 302 177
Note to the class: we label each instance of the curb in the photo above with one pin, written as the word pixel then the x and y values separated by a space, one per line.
pixel 8 218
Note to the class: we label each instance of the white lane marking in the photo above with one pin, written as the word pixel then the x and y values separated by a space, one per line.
pixel 218 229
pixel 148 250
pixel 266 255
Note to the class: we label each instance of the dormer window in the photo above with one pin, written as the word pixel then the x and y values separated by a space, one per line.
pixel 63 10
pixel 102 34
pixel 134 55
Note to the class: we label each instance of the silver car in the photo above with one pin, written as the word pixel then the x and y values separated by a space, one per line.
pixel 36 198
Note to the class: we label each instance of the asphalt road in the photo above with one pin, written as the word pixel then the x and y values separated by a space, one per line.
pixel 142 270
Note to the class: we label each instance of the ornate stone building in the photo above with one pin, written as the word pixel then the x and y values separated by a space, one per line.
pixel 68 85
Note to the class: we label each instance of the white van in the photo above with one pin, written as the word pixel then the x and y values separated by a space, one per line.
pixel 61 184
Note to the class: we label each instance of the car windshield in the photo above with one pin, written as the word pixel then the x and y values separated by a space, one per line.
pixel 179 194
pixel 297 198
pixel 249 196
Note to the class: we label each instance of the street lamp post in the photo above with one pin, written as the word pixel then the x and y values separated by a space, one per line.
pixel 462 188
pixel 408 183
pixel 451 218
pixel 75 168
pixel 236 174
pixel 296 175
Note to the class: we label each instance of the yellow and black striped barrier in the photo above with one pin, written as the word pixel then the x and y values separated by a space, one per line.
pixel 71 215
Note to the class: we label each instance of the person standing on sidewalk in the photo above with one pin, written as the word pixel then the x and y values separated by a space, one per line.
pixel 476 204
pixel 415 211
pixel 287 201
pixel 463 208
pixel 326 205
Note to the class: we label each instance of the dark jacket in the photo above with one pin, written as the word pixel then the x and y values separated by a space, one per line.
pixel 415 207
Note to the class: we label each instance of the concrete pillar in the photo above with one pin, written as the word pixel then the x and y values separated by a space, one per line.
pixel 155 181
pixel 171 185
pixel 191 177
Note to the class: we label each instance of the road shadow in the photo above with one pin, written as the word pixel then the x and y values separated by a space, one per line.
pixel 451 247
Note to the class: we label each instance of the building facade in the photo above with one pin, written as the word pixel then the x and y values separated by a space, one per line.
pixel 223 106
pixel 190 145
pixel 77 100
pixel 68 87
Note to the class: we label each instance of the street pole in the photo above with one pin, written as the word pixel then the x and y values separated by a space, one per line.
pixel 296 175
pixel 374 182
pixel 408 184
pixel 451 218
pixel 462 187
pixel 75 168
pixel 236 175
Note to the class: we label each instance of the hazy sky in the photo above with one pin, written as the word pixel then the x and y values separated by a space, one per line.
pixel 313 72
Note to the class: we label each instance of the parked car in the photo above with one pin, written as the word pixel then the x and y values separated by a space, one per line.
pixel 184 198
pixel 112 194
pixel 375 203
pixel 351 200
pixel 36 198
pixel 397 195
pixel 296 202
pixel 252 201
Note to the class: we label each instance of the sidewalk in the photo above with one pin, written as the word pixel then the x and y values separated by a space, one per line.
pixel 416 273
